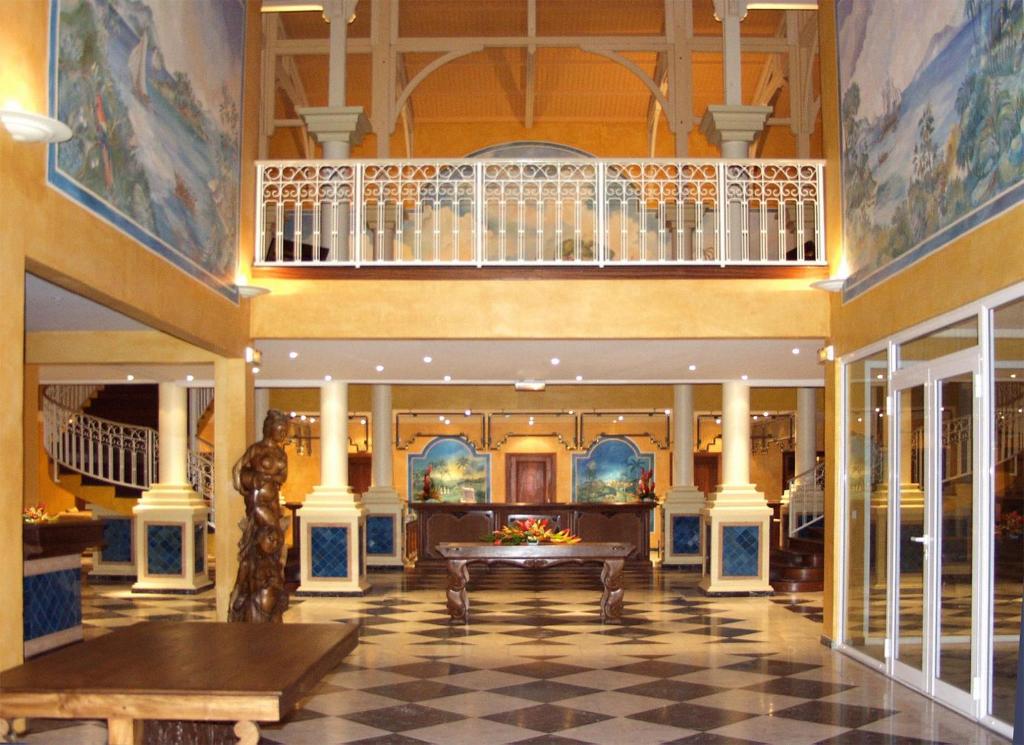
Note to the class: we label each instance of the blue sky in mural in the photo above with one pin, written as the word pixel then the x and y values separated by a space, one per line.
pixel 609 471
pixel 152 90
pixel 932 99
pixel 454 465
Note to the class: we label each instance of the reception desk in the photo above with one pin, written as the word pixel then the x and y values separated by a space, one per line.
pixel 448 522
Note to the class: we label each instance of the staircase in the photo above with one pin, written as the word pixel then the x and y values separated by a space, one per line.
pixel 800 566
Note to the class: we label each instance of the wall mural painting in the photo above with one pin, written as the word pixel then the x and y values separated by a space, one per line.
pixel 932 96
pixel 454 466
pixel 152 90
pixel 609 471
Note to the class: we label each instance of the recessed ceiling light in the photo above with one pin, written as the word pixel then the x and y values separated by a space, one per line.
pixel 293 355
pixel 755 417
pixel 447 378
pixel 303 417
pixel 328 378
pixel 1013 375
pixel 579 378
pixel 877 409
pixel 129 377
pixel 255 370
pixel 879 376
pixel 190 377
pixel 571 412
pixel 764 413
pixel 718 420
pixel 796 350
pixel 379 368
pixel 668 412
pixel 691 368
pixel 468 412
pixel 744 376
pixel 312 420
pixel 447 421
pixel 621 417
pixel 361 421
pixel 441 418
pixel 555 361
pixel 291 414
pixel 428 359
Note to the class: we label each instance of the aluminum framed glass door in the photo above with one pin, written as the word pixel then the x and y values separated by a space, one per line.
pixel 935 623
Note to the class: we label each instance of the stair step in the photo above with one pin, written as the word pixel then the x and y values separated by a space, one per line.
pixel 798 574
pixel 785 585
pixel 806 546
pixel 784 557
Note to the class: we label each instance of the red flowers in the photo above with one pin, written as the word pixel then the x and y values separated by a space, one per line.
pixel 529 531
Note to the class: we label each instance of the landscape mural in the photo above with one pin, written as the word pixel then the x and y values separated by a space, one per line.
pixel 932 99
pixel 609 471
pixel 454 464
pixel 152 90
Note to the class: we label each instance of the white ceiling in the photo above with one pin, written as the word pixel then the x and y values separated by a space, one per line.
pixel 765 362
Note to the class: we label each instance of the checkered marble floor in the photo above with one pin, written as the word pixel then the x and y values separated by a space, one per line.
pixel 536 665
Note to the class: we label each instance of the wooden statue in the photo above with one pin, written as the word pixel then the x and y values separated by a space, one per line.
pixel 259 594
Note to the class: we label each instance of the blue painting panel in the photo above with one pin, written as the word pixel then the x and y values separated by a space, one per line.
pixel 740 550
pixel 152 92
pixel 199 548
pixel 380 535
pixel 164 549
pixel 329 551
pixel 53 602
pixel 117 533
pixel 686 535
pixel 454 465
pixel 609 471
pixel 929 147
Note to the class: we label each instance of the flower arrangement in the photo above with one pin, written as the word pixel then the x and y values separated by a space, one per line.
pixel 518 532
pixel 645 486
pixel 36 514
pixel 1011 525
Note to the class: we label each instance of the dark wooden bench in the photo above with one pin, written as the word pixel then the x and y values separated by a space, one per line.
pixel 207 672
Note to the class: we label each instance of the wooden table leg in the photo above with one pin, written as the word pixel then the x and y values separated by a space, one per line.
pixel 458 598
pixel 124 732
pixel 248 733
pixel 611 599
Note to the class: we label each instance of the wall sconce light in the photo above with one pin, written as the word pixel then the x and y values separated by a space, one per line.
pixel 247 290
pixel 28 127
pixel 827 354
pixel 832 284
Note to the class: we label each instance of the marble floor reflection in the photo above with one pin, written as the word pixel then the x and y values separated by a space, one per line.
pixel 536 665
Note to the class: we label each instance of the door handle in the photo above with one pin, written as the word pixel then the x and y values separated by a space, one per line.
pixel 921 539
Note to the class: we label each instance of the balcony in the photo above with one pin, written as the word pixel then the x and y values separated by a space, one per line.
pixel 584 213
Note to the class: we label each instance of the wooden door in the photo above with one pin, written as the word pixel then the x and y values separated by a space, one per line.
pixel 530 477
pixel 705 471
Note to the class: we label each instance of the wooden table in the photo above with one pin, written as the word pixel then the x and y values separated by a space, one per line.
pixel 460 555
pixel 209 672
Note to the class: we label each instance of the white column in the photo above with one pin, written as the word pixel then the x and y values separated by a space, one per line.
pixel 337 13
pixel 385 536
pixel 334 435
pixel 730 13
pixel 170 518
pixel 260 406
pixel 806 434
pixel 681 542
pixel 735 433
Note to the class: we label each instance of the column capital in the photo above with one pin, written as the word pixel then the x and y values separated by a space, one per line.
pixel 724 125
pixel 339 10
pixel 345 124
pixel 730 9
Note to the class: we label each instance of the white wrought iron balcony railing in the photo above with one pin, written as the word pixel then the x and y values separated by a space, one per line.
pixel 539 213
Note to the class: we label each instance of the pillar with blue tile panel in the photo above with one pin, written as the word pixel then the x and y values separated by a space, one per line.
pixel 52 591
pixel 332 518
pixel 170 518
pixel 736 517
pixel 681 542
pixel 385 510
pixel 115 562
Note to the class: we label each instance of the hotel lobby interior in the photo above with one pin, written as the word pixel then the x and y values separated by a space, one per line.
pixel 724 298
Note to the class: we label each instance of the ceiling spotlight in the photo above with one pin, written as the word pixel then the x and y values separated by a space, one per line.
pixel 555 361
pixel 668 412
pixel 468 412
pixel 744 376
pixel 1013 376
pixel 879 376
pixel 441 418
pixel 255 370
pixel 291 414
pixel 447 421
pixel 447 378
pixel 718 420
pixel 312 420
pixel 129 377
pixel 379 368
pixel 796 350
pixel 428 359
pixel 302 418
pixel 621 417
pixel 190 377
pixel 328 378
pixel 579 378
pixel 571 412
pixel 764 413
pixel 755 417
pixel 361 421
pixel 691 368
pixel 292 355
pixel 529 385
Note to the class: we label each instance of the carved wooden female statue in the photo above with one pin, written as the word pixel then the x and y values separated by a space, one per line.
pixel 259 594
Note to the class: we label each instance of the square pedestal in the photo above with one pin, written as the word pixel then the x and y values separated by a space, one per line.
pixel 52 590
pixel 170 542
pixel 682 540
pixel 385 528
pixel 333 558
pixel 736 536
pixel 115 562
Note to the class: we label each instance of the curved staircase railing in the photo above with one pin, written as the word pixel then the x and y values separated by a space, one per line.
pixel 806 499
pixel 115 453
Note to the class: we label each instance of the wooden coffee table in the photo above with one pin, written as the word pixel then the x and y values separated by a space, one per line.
pixel 211 672
pixel 460 555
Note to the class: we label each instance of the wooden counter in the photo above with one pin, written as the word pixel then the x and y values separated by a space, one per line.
pixel 447 522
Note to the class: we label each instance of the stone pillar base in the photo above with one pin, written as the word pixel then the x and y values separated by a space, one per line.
pixel 736 527
pixel 333 553
pixel 682 539
pixel 385 527
pixel 170 540
pixel 116 561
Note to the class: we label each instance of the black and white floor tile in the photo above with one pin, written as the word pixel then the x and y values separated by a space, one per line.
pixel 536 665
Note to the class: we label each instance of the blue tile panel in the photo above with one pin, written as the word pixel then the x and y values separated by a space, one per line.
pixel 686 535
pixel 329 551
pixel 362 548
pixel 53 602
pixel 739 550
pixel 199 548
pixel 380 535
pixel 163 549
pixel 117 532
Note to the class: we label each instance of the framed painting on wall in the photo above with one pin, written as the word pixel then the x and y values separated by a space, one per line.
pixel 456 471
pixel 608 471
